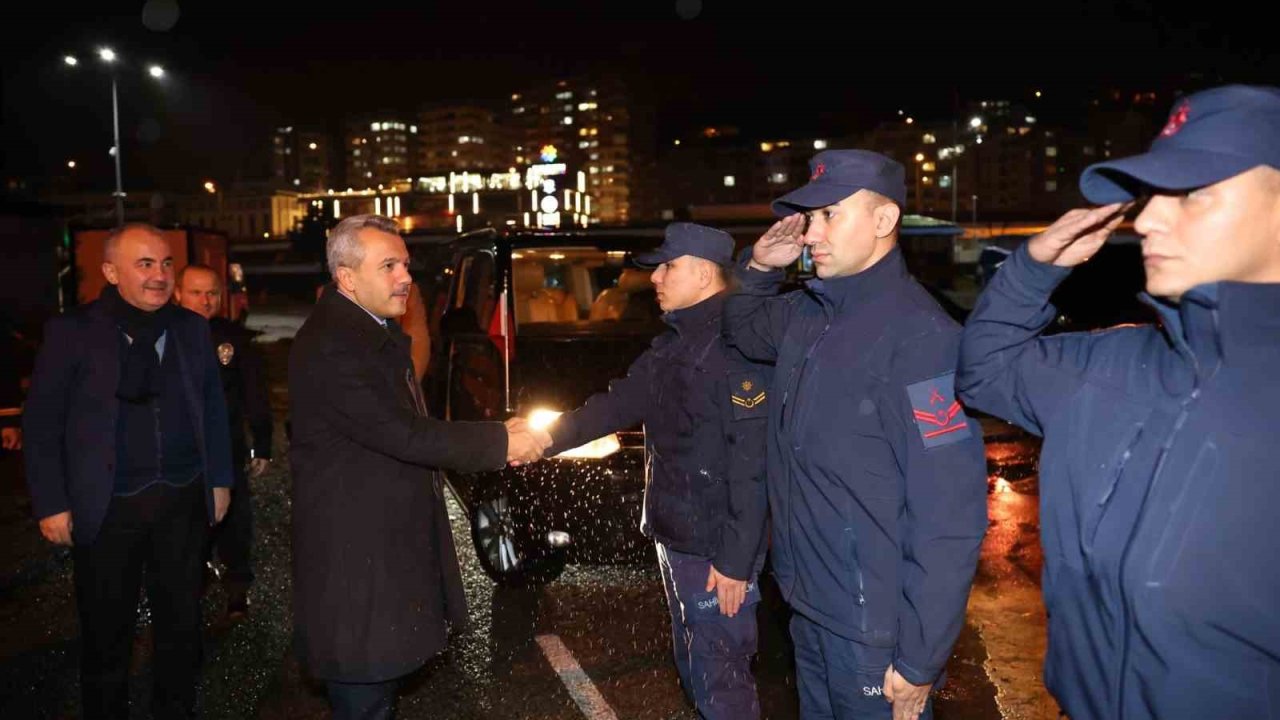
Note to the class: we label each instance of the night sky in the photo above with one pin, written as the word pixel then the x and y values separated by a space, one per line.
pixel 237 69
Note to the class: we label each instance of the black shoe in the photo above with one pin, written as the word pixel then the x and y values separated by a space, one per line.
pixel 238 606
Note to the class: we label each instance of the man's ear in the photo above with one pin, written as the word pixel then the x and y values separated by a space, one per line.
pixel 887 216
pixel 110 273
pixel 706 273
pixel 343 277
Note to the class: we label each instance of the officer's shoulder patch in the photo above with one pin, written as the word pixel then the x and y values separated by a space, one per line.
pixel 747 393
pixel 939 416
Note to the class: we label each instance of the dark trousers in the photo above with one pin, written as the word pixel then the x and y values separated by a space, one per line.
pixel 363 701
pixel 233 537
pixel 840 678
pixel 712 651
pixel 157 533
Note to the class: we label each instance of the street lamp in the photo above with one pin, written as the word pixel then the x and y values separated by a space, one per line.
pixel 108 56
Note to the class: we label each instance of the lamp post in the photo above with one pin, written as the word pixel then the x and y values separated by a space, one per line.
pixel 109 57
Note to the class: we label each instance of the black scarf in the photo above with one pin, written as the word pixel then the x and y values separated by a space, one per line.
pixel 140 377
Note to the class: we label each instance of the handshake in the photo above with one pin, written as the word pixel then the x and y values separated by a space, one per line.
pixel 525 444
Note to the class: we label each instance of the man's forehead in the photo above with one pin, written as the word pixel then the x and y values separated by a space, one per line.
pixel 138 243
pixel 199 277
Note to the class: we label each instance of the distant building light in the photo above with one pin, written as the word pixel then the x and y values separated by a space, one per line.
pixel 975 122
pixel 910 120
pixel 730 181
pixel 71 60
pixel 312 146
pixel 1031 120
pixel 929 138
pixel 568 119
pixel 819 144
pixel 413 129
pixel 71 164
pixel 766 147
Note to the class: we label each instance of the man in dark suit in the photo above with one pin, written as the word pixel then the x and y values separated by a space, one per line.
pixel 127 460
pixel 376 578
pixel 244 387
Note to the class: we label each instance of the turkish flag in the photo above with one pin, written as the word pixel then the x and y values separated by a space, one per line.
pixel 497 329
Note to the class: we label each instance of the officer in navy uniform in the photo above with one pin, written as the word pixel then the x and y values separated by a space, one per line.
pixel 877 480
pixel 1158 486
pixel 703 407
pixel 244 385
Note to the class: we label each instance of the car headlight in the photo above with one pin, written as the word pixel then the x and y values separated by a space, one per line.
pixel 543 418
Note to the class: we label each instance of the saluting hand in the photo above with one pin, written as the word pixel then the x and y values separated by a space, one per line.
pixel 780 245
pixel 1077 235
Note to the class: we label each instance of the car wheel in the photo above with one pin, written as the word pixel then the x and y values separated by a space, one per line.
pixel 498 548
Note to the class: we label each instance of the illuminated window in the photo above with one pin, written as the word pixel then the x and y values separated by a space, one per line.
pixel 730 181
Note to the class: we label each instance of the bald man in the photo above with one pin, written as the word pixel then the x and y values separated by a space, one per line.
pixel 244 387
pixel 128 460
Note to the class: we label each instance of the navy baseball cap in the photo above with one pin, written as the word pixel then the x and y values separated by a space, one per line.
pixel 684 238
pixel 836 174
pixel 1210 136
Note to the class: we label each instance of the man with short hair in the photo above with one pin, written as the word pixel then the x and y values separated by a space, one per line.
pixel 703 407
pixel 244 386
pixel 877 480
pixel 128 459
pixel 1158 484
pixel 376 578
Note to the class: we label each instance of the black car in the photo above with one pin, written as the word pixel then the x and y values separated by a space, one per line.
pixel 578 312
pixel 1098 294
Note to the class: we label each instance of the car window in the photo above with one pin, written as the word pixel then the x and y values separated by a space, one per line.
pixel 572 284
pixel 474 298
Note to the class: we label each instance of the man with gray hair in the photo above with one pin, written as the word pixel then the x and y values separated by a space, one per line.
pixel 376 578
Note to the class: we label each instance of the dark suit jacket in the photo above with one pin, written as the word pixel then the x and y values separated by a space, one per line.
pixel 375 575
pixel 244 384
pixel 69 421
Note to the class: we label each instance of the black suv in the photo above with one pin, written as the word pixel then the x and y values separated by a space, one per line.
pixel 577 313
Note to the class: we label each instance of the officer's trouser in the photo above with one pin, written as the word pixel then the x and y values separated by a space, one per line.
pixel 839 678
pixel 712 651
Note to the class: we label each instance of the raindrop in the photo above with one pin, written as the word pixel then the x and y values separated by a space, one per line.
pixel 160 15
pixel 688 9
pixel 149 131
